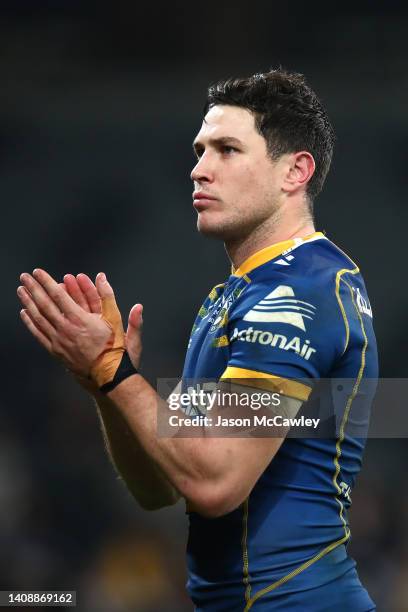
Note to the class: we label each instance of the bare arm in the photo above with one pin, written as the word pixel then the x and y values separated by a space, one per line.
pixel 214 474
pixel 144 479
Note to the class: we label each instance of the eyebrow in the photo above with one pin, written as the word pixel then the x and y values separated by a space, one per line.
pixel 217 142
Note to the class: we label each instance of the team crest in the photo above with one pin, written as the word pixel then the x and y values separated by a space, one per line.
pixel 218 314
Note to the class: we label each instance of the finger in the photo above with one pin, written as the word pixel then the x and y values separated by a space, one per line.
pixel 89 290
pixel 60 297
pixel 75 291
pixel 136 317
pixel 110 310
pixel 47 323
pixel 29 323
pixel 103 287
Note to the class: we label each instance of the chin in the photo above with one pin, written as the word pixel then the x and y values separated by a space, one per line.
pixel 218 231
pixel 210 228
pixel 214 224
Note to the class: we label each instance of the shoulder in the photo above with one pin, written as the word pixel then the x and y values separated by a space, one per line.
pixel 311 302
pixel 305 277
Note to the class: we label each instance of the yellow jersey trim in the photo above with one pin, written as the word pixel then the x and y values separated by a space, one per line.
pixel 270 382
pixel 347 409
pixel 294 573
pixel 342 309
pixel 270 252
pixel 245 568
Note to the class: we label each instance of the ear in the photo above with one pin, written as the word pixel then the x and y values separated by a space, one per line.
pixel 299 171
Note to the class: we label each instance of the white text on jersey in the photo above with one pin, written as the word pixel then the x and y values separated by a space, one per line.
pixel 295 344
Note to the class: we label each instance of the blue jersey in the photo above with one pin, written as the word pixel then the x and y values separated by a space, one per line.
pixel 292 314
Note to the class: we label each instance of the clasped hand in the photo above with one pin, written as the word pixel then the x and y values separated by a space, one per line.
pixel 79 323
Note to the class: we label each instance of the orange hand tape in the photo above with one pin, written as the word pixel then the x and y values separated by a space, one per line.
pixel 104 368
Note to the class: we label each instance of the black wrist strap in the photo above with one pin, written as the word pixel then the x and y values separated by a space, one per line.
pixel 124 370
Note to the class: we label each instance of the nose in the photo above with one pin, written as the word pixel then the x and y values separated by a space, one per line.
pixel 203 171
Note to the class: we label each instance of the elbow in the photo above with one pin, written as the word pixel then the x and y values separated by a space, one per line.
pixel 151 503
pixel 214 501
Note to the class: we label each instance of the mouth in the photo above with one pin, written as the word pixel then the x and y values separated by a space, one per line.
pixel 202 200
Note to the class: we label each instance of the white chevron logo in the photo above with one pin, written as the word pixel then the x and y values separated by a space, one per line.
pixel 285 261
pixel 281 306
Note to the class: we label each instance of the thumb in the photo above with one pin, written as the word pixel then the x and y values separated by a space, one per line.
pixel 134 334
pixel 135 318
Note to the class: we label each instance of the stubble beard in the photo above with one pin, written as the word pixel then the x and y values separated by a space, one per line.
pixel 239 228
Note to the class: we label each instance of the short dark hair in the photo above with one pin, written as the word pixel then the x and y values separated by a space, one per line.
pixel 288 114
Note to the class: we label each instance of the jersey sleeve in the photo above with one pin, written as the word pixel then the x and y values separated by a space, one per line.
pixel 285 336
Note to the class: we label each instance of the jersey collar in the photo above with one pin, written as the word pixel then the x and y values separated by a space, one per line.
pixel 272 251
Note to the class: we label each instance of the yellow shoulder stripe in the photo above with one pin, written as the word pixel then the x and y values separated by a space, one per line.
pixel 269 382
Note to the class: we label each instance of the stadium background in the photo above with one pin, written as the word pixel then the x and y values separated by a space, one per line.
pixel 99 105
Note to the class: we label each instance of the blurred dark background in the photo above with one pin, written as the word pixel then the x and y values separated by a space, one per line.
pixel 99 105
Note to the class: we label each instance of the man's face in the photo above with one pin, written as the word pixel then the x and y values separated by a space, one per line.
pixel 234 170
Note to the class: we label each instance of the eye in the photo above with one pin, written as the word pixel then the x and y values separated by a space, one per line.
pixel 228 149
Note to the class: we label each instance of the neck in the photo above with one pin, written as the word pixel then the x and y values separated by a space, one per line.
pixel 265 235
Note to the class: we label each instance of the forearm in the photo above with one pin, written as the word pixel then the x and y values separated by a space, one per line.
pixel 180 459
pixel 144 479
pixel 202 468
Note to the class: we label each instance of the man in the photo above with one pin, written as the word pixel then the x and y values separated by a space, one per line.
pixel 268 515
